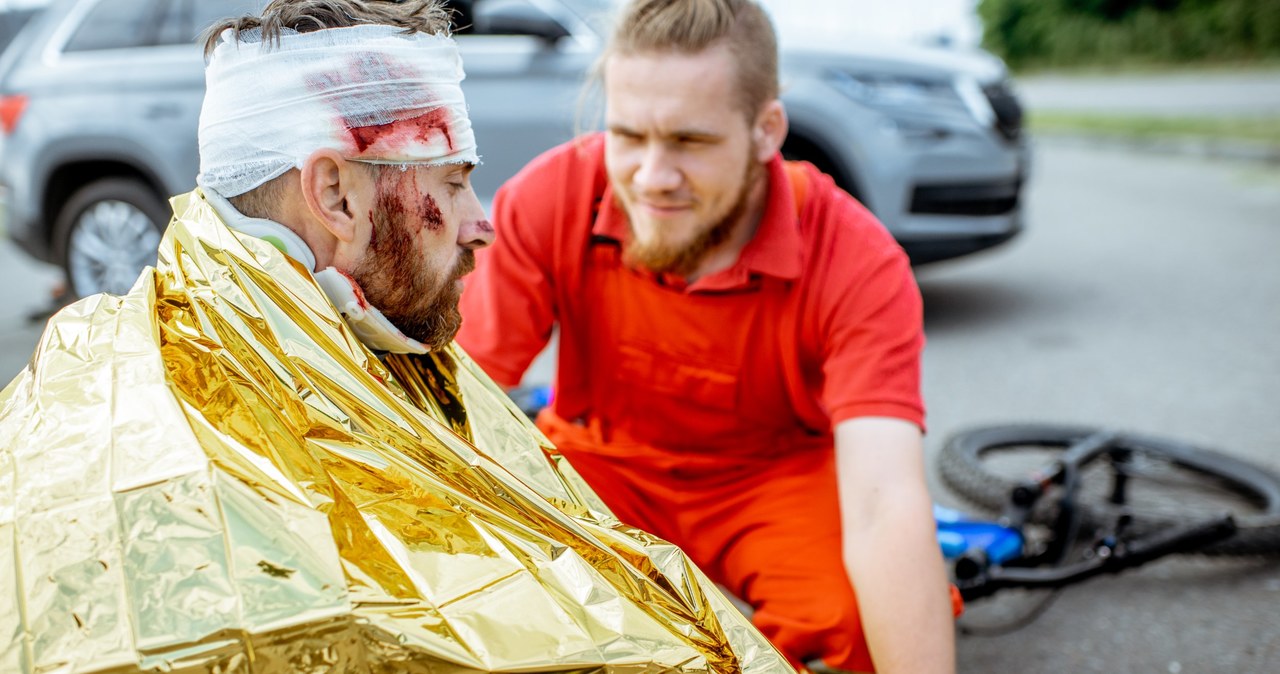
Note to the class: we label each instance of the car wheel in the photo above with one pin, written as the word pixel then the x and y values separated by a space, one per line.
pixel 107 232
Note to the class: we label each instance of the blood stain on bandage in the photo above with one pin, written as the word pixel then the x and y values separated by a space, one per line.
pixel 372 68
pixel 395 135
pixel 365 136
pixel 436 121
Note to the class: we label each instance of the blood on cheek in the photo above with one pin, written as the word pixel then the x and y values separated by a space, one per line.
pixel 431 216
pixel 394 194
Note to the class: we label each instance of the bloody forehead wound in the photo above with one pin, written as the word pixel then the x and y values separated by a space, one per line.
pixel 368 137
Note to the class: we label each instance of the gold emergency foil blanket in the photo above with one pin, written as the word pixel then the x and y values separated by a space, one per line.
pixel 211 474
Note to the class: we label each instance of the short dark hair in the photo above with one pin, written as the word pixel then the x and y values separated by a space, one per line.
pixel 692 26
pixel 305 16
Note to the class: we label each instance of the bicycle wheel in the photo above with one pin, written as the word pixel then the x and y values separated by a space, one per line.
pixel 1170 483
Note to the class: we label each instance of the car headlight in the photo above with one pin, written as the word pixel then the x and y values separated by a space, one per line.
pixel 976 100
pixel 908 97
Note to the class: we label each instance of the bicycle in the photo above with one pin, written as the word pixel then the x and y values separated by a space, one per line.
pixel 1096 502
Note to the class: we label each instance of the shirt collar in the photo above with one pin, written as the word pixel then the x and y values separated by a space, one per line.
pixel 775 250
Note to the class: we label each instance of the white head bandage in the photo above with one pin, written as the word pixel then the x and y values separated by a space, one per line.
pixel 370 92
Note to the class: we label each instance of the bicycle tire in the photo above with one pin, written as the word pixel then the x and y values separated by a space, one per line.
pixel 1252 493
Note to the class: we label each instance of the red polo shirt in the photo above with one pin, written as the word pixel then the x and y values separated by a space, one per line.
pixel 818 321
pixel 703 412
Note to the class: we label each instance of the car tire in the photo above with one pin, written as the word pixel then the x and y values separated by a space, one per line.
pixel 106 233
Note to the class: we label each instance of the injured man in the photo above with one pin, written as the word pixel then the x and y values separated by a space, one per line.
pixel 269 456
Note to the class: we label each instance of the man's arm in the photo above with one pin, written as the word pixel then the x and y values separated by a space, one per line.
pixel 891 548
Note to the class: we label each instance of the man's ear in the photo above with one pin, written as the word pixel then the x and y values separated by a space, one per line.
pixel 769 130
pixel 331 188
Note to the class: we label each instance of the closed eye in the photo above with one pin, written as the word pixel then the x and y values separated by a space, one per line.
pixel 458 179
pixel 626 134
pixel 694 139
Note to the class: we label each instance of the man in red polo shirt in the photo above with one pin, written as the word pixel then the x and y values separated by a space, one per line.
pixel 739 348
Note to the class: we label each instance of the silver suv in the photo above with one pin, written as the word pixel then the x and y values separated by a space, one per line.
pixel 101 100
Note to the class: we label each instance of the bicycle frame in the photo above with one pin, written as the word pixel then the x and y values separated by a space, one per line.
pixel 994 555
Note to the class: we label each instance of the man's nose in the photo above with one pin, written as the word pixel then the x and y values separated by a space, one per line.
pixel 476 230
pixel 476 233
pixel 657 171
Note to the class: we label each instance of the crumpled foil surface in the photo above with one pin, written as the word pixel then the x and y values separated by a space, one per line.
pixel 211 474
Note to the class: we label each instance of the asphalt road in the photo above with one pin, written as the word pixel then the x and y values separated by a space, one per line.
pixel 1145 294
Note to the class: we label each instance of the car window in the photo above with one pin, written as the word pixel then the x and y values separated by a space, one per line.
pixel 597 13
pixel 11 22
pixel 185 20
pixel 206 13
pixel 175 24
pixel 475 17
pixel 121 24
pixel 116 24
pixel 461 16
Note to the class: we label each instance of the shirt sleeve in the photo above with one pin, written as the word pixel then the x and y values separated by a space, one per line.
pixel 873 336
pixel 508 307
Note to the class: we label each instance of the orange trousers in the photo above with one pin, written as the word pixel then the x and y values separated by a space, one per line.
pixel 768 529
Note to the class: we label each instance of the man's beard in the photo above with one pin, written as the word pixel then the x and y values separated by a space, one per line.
pixel 664 257
pixel 421 302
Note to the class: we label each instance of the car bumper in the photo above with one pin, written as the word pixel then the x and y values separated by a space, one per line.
pixel 962 203
pixel 936 238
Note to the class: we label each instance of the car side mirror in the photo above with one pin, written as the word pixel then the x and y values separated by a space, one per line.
pixel 516 17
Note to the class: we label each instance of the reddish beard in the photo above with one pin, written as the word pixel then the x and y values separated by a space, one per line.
pixel 421 302
pixel 663 257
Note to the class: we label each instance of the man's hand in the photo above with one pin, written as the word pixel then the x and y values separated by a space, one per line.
pixel 891 548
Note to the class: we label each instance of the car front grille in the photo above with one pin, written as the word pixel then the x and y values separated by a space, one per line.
pixel 1007 108
pixel 995 198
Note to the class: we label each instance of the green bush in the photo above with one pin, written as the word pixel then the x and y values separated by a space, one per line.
pixel 1037 33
